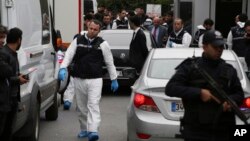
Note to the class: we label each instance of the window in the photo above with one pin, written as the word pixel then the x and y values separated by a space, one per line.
pixel 165 68
pixel 186 15
pixel 45 22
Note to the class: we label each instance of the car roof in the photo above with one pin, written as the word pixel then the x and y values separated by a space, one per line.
pixel 180 53
pixel 119 31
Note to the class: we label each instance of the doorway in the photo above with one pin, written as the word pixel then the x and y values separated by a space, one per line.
pixel 226 11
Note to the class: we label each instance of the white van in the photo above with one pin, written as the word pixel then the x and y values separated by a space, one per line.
pixel 37 53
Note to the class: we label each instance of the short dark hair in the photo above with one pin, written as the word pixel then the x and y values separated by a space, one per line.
pixel 14 35
pixel 243 17
pixel 208 22
pixel 88 17
pixel 131 13
pixel 3 30
pixel 97 22
pixel 135 20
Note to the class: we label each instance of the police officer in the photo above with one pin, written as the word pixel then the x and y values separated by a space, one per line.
pixel 89 52
pixel 236 39
pixel 204 118
pixel 121 22
pixel 179 37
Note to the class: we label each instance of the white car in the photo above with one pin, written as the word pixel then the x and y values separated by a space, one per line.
pixel 154 116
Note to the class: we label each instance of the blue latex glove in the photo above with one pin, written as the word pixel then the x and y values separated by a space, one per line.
pixel 114 85
pixel 62 74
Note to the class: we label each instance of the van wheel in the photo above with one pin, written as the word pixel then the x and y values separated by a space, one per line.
pixel 52 112
pixel 34 136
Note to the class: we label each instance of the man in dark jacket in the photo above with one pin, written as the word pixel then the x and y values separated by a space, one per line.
pixel 5 73
pixel 9 55
pixel 205 118
pixel 138 50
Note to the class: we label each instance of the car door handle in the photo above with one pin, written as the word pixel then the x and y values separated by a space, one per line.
pixel 36 54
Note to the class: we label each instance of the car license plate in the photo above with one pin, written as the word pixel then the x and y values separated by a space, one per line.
pixel 177 107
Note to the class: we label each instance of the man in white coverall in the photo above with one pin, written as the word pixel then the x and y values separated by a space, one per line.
pixel 88 52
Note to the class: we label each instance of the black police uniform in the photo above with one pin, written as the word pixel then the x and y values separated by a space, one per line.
pixel 239 45
pixel 205 121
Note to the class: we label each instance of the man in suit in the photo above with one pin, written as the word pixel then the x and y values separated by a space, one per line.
pixel 138 50
pixel 159 32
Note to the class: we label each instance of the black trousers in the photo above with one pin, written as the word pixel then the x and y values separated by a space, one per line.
pixel 9 122
pixel 3 117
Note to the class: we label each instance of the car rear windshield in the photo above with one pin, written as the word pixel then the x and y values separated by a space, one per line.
pixel 165 68
pixel 121 40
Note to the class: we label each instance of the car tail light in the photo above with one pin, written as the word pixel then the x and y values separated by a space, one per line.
pixel 246 103
pixel 143 136
pixel 145 103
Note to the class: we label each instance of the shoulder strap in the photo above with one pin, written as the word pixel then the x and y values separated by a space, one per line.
pixel 79 38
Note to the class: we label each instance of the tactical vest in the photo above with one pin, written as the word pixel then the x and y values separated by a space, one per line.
pixel 177 39
pixel 197 35
pixel 239 45
pixel 122 24
pixel 88 59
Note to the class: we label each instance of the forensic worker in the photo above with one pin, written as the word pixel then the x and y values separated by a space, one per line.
pixel 89 52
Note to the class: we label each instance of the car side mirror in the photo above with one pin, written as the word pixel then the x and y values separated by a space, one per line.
pixel 129 73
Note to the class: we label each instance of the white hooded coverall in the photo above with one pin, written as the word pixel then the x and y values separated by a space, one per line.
pixel 88 91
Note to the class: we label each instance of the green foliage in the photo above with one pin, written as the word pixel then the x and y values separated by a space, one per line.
pixel 115 5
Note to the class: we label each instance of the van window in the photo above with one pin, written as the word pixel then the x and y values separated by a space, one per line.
pixel 45 22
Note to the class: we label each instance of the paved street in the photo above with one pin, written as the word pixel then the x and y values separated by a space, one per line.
pixel 113 125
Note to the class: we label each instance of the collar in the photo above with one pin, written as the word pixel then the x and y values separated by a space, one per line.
pixel 241 24
pixel 91 40
pixel 118 18
pixel 209 61
pixel 136 30
pixel 177 33
pixel 10 50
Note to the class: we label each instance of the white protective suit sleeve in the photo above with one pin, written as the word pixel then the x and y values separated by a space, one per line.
pixel 200 41
pixel 230 40
pixel 114 26
pixel 69 54
pixel 108 59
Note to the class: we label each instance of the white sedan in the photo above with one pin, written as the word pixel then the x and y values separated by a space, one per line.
pixel 153 116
